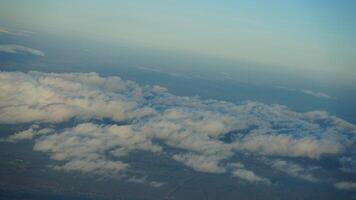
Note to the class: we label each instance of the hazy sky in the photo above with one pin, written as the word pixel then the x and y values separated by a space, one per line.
pixel 316 35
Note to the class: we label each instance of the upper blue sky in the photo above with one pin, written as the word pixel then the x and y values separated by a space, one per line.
pixel 306 35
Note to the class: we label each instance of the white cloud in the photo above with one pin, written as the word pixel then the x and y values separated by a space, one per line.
pixel 250 176
pixel 239 171
pixel 18 49
pixel 194 127
pixel 58 98
pixel 87 146
pixel 28 134
pixel 345 185
pixel 286 145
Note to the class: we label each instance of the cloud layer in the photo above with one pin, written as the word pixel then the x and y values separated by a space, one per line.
pixel 116 117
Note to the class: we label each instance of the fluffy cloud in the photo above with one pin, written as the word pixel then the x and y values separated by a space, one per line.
pixel 86 147
pixel 58 98
pixel 114 117
pixel 15 48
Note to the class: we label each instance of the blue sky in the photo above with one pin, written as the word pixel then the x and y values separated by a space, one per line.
pixel 303 35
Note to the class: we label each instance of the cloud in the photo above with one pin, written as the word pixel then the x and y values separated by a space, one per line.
pixel 143 180
pixel 96 166
pixel 200 163
pixel 28 134
pixel 239 171
pixel 346 186
pixel 292 169
pixel 86 147
pixel 18 49
pixel 315 94
pixel 307 92
pixel 57 98
pixel 286 145
pixel 249 176
pixel 113 118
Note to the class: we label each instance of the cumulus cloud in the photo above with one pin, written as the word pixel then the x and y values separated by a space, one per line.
pixel 58 98
pixel 114 117
pixel 345 185
pixel 19 49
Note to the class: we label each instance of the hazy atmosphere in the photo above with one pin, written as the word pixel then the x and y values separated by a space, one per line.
pixel 177 99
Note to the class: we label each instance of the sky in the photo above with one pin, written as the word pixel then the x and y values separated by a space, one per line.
pixel 300 35
pixel 179 94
